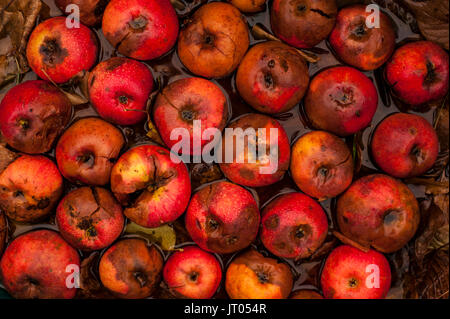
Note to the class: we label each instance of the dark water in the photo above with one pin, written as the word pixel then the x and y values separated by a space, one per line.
pixel 169 68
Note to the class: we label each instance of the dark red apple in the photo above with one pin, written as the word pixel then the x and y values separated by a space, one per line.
pixel 87 150
pixel 341 100
pixel 184 101
pixel 130 269
pixel 32 115
pixel 141 29
pixel 418 73
pixel 30 188
pixel 192 273
pixel 272 77
pixel 350 273
pixel 38 265
pixel 262 161
pixel 214 40
pixel 305 294
pixel 253 276
pixel 119 89
pixel 155 189
pixel 303 23
pixel 91 11
pixel 3 231
pixel 357 43
pixel 321 165
pixel 223 218
pixel 405 145
pixel 379 211
pixel 58 53
pixel 89 218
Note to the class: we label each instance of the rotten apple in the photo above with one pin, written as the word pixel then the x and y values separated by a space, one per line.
pixel 91 11
pixel 249 6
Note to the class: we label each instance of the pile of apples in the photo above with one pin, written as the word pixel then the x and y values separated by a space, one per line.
pixel 377 214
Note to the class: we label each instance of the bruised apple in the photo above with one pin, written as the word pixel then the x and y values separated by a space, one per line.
pixel 35 265
pixel 223 218
pixel 87 150
pixel 303 23
pixel 272 77
pixel 58 53
pixel 119 89
pixel 358 44
pixel 130 269
pixel 154 188
pixel 91 11
pixel 253 276
pixel 187 100
pixel 249 6
pixel 32 115
pixel 379 211
pixel 89 218
pixel 321 165
pixel 214 40
pixel 30 187
pixel 293 226
pixel 264 157
pixel 141 29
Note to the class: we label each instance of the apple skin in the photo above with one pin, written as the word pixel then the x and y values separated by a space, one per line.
pixel 347 266
pixel 192 273
pixel 141 29
pixel 293 226
pixel 185 100
pixel 154 189
pixel 305 294
pixel 91 11
pixel 214 41
pixel 34 266
pixel 3 232
pixel 223 218
pixel 86 151
pixel 130 269
pixel 341 100
pixel 89 218
pixel 30 188
pixel 62 53
pixel 379 211
pixel 249 6
pixel 405 145
pixel 359 46
pixel 418 73
pixel 303 23
pixel 252 276
pixel 249 174
pixel 272 77
pixel 119 89
pixel 321 165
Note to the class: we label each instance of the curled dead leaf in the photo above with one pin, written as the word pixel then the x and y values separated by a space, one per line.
pixel 164 235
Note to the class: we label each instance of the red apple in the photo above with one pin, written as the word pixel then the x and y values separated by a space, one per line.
pixel 58 53
pixel 272 77
pixel 130 269
pixel 341 100
pixel 155 189
pixel 89 218
pixel 30 188
pixel 186 100
pixel 32 115
pixel 293 226
pixel 305 294
pixel 192 273
pixel 141 29
pixel 418 73
pixel 350 273
pixel 36 265
pixel 253 276
pixel 91 11
pixel 358 44
pixel 379 211
pixel 249 6
pixel 405 145
pixel 267 168
pixel 119 89
pixel 223 218
pixel 87 150
pixel 303 23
